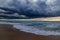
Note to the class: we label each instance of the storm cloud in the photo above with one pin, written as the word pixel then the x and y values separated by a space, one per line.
pixel 32 8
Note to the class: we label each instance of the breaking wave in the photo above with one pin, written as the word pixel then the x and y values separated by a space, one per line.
pixel 48 30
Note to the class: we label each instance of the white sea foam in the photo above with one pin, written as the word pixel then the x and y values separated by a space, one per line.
pixel 52 25
pixel 32 29
pixel 35 30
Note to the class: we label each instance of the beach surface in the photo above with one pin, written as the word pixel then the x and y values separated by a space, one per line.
pixel 7 32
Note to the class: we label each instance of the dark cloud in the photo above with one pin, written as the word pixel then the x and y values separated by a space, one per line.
pixel 33 9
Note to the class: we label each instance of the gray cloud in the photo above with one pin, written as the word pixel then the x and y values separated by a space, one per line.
pixel 34 8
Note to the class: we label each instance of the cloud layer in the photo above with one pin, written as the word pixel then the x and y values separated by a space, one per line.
pixel 33 8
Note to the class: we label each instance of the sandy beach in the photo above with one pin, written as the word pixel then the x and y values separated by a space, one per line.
pixel 7 32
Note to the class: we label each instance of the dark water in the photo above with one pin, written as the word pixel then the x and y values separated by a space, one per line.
pixel 46 25
pixel 36 27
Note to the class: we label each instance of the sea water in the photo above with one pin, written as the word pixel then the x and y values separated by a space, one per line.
pixel 36 27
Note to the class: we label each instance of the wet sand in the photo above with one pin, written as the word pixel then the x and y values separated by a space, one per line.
pixel 7 32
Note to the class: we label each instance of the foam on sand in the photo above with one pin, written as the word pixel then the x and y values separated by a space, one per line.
pixel 32 29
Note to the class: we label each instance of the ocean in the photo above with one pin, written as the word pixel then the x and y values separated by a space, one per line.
pixel 36 27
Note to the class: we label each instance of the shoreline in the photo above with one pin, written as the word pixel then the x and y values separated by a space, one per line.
pixel 33 30
pixel 15 34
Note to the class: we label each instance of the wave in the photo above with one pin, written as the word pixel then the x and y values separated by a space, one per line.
pixel 35 30
pixel 31 29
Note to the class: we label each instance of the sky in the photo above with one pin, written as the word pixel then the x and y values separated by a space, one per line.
pixel 32 8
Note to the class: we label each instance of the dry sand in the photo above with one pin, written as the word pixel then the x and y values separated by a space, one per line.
pixel 7 32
